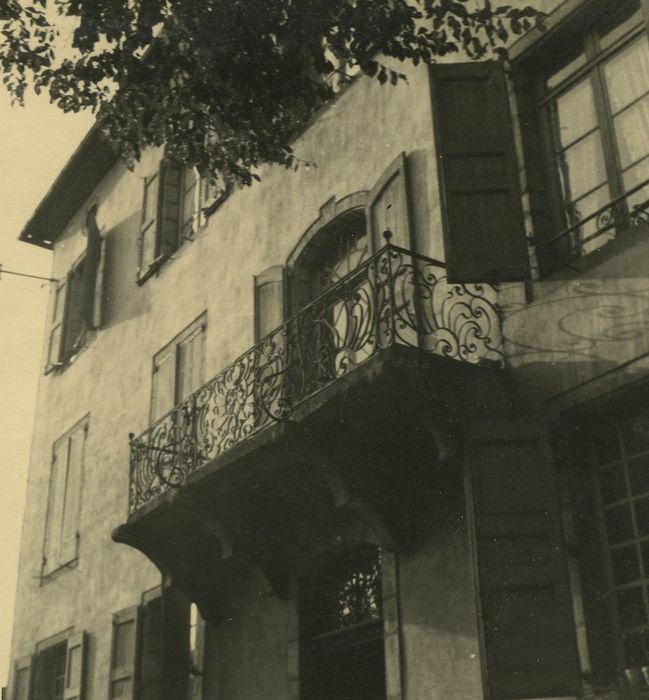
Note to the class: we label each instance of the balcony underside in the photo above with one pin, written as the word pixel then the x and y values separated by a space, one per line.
pixel 372 457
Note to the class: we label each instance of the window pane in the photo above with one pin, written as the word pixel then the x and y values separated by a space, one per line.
pixel 644 549
pixel 582 166
pixel 583 208
pixel 609 38
pixel 639 475
pixel 635 433
pixel 575 113
pixel 606 444
pixel 642 516
pixel 619 526
pixel 626 567
pixel 124 651
pixel 612 484
pixel 632 132
pixel 636 175
pixel 631 607
pixel 566 71
pixel 627 74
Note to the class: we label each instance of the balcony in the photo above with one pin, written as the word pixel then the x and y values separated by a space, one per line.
pixel 395 298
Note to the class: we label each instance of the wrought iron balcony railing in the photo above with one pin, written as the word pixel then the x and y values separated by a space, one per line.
pixel 395 297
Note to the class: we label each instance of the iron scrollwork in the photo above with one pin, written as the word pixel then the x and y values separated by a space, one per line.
pixel 395 297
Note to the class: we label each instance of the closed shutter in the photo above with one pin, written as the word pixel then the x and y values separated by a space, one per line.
pixel 75 667
pixel 22 678
pixel 55 505
pixel 190 362
pixel 55 335
pixel 124 654
pixel 169 209
pixel 527 615
pixel 388 206
pixel 148 223
pixel 269 301
pixel 74 329
pixel 72 500
pixel 482 210
pixel 163 390
pixel 300 291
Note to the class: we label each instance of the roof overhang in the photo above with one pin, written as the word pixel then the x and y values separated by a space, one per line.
pixel 85 169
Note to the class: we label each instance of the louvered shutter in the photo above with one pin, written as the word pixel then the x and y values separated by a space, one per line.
pixel 75 667
pixel 481 201
pixel 189 203
pixel 527 615
pixel 55 335
pixel 169 208
pixel 269 301
pixel 388 206
pixel 55 506
pixel 73 333
pixel 72 499
pixel 22 678
pixel 124 654
pixel 148 223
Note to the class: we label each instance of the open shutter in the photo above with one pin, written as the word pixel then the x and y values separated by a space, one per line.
pixel 124 654
pixel 189 203
pixel 191 353
pixel 269 301
pixel 148 223
pixel 55 505
pixel 55 335
pixel 98 295
pixel 90 269
pixel 388 207
pixel 163 389
pixel 482 210
pixel 75 667
pixel 176 656
pixel 527 618
pixel 22 678
pixel 169 208
pixel 72 499
pixel 73 325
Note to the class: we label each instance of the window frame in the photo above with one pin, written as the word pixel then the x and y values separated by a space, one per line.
pixel 559 243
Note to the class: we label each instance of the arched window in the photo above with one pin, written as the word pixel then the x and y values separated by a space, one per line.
pixel 341 628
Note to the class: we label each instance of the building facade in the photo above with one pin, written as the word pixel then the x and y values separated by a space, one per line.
pixel 374 429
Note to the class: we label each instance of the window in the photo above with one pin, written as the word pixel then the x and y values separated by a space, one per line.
pixel 341 628
pixel 64 500
pixel 593 103
pixel 55 672
pixel 175 204
pixel 77 300
pixel 157 644
pixel 178 369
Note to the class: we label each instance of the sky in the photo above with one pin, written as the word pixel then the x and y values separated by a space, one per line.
pixel 35 143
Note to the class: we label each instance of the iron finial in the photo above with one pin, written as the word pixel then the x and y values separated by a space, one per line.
pixel 387 234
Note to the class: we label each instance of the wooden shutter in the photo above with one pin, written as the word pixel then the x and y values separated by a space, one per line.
pixel 388 207
pixel 55 335
pixel 163 383
pixel 169 209
pixel 90 269
pixel 300 292
pixel 73 326
pixel 75 667
pixel 191 361
pixel 98 292
pixel 72 499
pixel 481 201
pixel 189 204
pixel 124 654
pixel 150 671
pixel 22 678
pixel 55 505
pixel 176 658
pixel 269 301
pixel 527 618
pixel 148 223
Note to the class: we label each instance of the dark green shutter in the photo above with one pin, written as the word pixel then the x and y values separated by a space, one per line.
pixel 527 617
pixel 481 200
pixel 269 301
pixel 169 208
